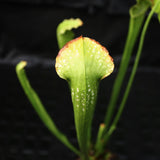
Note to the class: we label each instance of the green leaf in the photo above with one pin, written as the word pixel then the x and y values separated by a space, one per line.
pixel 83 62
pixel 39 108
pixel 64 33
pixel 137 16
pixel 131 78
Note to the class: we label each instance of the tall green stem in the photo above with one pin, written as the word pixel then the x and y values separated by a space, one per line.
pixel 135 66
pixel 137 15
pixel 39 108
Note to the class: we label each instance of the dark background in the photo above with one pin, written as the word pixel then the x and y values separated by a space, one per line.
pixel 28 32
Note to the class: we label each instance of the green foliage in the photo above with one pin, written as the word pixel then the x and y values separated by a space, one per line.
pixel 38 106
pixel 64 30
pixel 137 15
pixel 130 82
pixel 83 62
